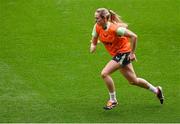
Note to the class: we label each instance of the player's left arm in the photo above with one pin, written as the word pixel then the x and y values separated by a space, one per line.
pixel 128 33
pixel 133 38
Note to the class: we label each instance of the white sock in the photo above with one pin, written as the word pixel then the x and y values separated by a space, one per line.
pixel 112 96
pixel 152 88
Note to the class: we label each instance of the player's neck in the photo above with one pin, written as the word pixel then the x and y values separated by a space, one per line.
pixel 106 26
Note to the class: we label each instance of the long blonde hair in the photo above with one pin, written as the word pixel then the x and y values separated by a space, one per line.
pixel 111 16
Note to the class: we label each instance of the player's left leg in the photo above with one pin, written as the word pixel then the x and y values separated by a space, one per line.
pixel 129 73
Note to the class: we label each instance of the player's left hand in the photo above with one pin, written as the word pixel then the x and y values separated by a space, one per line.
pixel 132 56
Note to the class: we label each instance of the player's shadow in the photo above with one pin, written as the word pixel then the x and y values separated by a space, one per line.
pixel 133 109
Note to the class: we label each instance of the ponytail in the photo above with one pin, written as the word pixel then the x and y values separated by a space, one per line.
pixel 115 18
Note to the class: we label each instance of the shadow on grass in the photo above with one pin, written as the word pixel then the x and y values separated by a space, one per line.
pixel 132 113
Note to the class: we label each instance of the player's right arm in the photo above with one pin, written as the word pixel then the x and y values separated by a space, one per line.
pixel 93 44
pixel 94 40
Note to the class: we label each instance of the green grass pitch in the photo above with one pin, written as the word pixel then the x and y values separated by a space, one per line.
pixel 48 75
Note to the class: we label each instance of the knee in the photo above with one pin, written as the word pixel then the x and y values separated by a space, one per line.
pixel 104 74
pixel 133 81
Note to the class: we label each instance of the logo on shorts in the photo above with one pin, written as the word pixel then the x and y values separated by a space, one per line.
pixel 117 58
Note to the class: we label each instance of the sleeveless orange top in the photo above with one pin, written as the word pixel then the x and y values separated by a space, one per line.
pixel 113 43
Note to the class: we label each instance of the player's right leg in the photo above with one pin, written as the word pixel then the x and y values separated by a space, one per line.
pixel 110 67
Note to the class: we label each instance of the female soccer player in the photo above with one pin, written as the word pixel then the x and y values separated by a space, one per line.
pixel 120 42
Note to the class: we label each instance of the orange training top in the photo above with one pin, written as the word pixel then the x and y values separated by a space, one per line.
pixel 112 41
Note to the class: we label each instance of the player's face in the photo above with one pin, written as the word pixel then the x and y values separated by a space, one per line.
pixel 99 20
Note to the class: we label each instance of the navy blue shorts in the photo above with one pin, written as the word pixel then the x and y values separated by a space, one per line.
pixel 122 59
